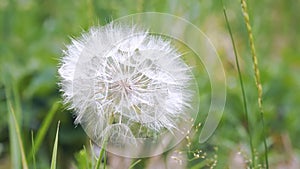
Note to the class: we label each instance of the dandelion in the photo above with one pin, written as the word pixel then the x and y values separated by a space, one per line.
pixel 124 83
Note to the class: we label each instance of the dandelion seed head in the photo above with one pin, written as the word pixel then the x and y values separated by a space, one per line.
pixel 124 82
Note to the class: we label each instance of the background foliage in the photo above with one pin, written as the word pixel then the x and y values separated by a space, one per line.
pixel 34 32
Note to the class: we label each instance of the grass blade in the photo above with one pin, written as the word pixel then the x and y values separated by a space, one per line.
pixel 135 163
pixel 242 88
pixel 102 155
pixel 23 157
pixel 33 150
pixel 82 159
pixel 104 161
pixel 44 128
pixel 93 154
pixel 102 152
pixel 98 164
pixel 14 147
pixel 54 153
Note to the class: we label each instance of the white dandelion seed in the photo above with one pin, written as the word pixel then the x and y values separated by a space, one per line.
pixel 124 83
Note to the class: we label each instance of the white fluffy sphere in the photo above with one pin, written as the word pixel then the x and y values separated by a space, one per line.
pixel 124 83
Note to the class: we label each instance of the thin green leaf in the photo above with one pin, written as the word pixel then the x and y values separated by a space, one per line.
pixel 102 154
pixel 17 102
pixel 14 147
pixel 104 161
pixel 23 157
pixel 98 164
pixel 135 163
pixel 242 88
pixel 33 150
pixel 44 128
pixel 82 158
pixel 93 154
pixel 54 153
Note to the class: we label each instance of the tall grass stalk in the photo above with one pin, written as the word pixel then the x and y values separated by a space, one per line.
pixel 242 89
pixel 256 75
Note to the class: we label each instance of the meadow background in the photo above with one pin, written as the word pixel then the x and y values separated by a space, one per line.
pixel 33 34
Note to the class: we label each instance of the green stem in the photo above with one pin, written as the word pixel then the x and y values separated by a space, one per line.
pixel 256 75
pixel 242 89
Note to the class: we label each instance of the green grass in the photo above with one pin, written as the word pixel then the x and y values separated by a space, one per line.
pixel 19 138
pixel 266 42
pixel 33 151
pixel 251 165
pixel 257 79
pixel 54 152
pixel 44 128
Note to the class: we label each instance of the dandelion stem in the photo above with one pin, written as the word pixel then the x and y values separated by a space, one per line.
pixel 256 75
pixel 242 88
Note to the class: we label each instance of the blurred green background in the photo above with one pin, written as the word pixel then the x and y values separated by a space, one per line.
pixel 33 34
